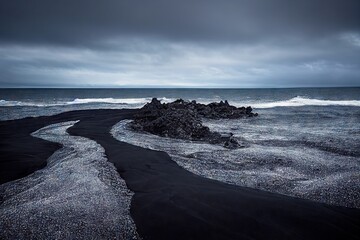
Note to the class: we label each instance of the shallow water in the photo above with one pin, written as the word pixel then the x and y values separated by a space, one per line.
pixel 78 195
pixel 286 159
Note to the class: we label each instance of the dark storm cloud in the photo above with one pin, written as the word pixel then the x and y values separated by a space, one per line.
pixel 188 43
pixel 87 21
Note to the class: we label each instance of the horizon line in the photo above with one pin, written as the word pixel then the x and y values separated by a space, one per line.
pixel 164 88
pixel 4 88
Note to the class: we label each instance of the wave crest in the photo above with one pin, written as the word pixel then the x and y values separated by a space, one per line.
pixel 109 100
pixel 299 101
pixel 124 101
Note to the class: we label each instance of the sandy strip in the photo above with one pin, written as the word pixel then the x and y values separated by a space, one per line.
pixel 78 195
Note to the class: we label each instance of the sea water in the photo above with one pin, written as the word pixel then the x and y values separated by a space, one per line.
pixel 19 103
pixel 304 143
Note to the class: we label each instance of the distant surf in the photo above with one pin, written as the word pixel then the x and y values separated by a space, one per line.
pixel 123 101
pixel 297 101
pixel 116 100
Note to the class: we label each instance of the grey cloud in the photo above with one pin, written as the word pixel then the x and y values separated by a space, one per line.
pixel 88 21
pixel 185 64
pixel 200 43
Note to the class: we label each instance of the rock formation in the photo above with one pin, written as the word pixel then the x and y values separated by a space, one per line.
pixel 182 119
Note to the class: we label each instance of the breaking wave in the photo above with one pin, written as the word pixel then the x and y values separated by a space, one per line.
pixel 108 100
pixel 299 101
pixel 139 102
pixel 125 101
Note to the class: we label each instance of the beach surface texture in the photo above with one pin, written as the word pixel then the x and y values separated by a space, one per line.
pixel 167 201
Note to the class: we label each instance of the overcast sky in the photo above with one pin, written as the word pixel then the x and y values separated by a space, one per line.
pixel 183 43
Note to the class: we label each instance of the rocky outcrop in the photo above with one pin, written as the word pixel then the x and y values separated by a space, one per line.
pixel 223 110
pixel 182 119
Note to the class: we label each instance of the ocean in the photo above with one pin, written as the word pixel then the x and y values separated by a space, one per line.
pixel 20 103
pixel 304 143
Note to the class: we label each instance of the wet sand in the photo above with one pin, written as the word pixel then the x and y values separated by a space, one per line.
pixel 78 195
pixel 170 202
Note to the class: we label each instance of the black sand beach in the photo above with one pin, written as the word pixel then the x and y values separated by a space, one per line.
pixel 170 202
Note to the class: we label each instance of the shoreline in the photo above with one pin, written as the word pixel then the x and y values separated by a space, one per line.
pixel 170 202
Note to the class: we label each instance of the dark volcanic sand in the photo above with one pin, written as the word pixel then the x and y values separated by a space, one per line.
pixel 170 202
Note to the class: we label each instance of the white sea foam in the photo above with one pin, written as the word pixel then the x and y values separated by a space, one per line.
pixel 6 103
pixel 78 195
pixel 116 100
pixel 124 101
pixel 303 101
pixel 297 170
pixel 109 100
pixel 139 102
